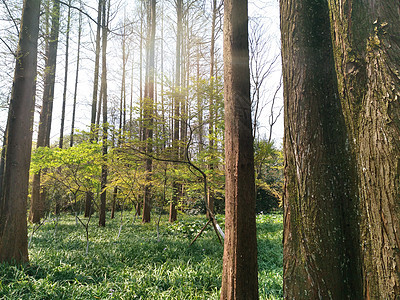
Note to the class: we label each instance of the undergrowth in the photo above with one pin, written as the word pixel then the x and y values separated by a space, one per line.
pixel 137 265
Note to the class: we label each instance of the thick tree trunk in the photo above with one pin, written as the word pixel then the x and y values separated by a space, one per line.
pixel 367 54
pixel 342 162
pixel 320 260
pixel 38 197
pixel 239 277
pixel 13 225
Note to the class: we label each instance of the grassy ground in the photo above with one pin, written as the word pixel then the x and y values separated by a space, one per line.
pixel 137 265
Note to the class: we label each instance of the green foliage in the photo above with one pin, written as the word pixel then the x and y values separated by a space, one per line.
pixel 69 171
pixel 268 162
pixel 136 266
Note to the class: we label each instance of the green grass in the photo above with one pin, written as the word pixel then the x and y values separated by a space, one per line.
pixel 136 266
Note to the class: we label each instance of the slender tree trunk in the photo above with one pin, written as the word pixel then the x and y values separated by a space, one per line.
pixel 131 102
pixel 93 129
pixel 61 142
pixel 177 104
pixel 114 201
pixel 149 111
pixel 38 195
pixel 122 106
pixel 211 135
pixel 141 135
pixel 163 134
pixel 104 169
pixel 96 70
pixel 13 225
pixel 239 277
pixel 199 99
pixel 2 160
pixel 76 77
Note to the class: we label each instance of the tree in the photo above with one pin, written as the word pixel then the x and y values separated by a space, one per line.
pixel 239 278
pixel 148 109
pixel 369 88
pixel 104 171
pixel 14 191
pixel 93 129
pixel 38 197
pixel 64 102
pixel 341 149
pixel 177 103
pixel 71 143
pixel 210 197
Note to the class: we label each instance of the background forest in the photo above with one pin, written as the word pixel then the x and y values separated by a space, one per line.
pixel 181 124
pixel 129 126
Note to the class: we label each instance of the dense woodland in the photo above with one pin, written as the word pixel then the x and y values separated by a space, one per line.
pixel 142 129
pixel 151 113
pixel 166 111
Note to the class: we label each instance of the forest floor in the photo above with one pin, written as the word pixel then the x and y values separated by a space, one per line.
pixel 137 265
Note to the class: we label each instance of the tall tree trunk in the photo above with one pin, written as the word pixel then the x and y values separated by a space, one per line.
pixel 212 108
pixel 96 71
pixel 38 195
pixel 13 225
pixel 93 129
pixel 122 106
pixel 76 77
pixel 149 110
pixel 341 196
pixel 141 131
pixel 177 104
pixel 239 277
pixel 163 118
pixel 367 55
pixel 104 169
pixel 61 142
pixel 319 237
pixel 199 98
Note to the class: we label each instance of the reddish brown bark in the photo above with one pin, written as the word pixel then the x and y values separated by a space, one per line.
pixel 149 109
pixel 342 123
pixel 239 278
pixel 13 224
pixel 367 52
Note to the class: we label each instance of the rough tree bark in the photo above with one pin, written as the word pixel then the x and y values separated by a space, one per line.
pixel 239 278
pixel 367 54
pixel 318 191
pixel 13 224
pixel 342 122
